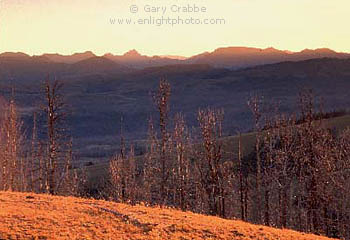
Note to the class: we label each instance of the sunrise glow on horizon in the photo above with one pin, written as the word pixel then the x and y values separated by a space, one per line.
pixel 69 26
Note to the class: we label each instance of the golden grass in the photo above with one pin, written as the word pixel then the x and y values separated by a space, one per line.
pixel 34 216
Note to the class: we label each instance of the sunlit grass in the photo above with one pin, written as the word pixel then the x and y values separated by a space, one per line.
pixel 33 216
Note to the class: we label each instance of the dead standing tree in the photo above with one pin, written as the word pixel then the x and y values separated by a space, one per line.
pixel 255 105
pixel 210 165
pixel 13 174
pixel 161 99
pixel 182 179
pixel 123 173
pixel 242 186
pixel 122 170
pixel 151 169
pixel 278 168
pixel 54 109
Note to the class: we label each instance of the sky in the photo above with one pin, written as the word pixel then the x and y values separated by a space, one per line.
pixel 69 26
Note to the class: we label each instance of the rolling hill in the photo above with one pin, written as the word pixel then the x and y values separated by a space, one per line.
pixel 96 65
pixel 34 216
pixel 241 57
pixel 100 91
pixel 97 171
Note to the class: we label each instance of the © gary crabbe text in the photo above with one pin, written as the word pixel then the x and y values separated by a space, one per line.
pixel 177 15
pixel 174 9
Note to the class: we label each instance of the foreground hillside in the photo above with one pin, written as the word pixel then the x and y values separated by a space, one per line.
pixel 33 216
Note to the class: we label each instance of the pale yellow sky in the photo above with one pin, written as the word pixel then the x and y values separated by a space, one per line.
pixel 67 26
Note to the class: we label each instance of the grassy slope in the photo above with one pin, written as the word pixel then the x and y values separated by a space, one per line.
pixel 33 216
pixel 230 145
pixel 248 139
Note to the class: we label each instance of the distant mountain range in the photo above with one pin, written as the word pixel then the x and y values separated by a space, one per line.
pixel 241 57
pixel 230 57
pixel 102 89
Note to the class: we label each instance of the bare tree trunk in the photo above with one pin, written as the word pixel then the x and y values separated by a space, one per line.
pixel 267 207
pixel 12 159
pixel 55 113
pixel 255 106
pixel 162 101
pixel 243 210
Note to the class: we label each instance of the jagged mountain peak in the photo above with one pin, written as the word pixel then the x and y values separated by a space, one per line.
pixel 132 53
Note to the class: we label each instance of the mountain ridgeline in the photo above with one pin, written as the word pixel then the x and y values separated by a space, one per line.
pixel 102 90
